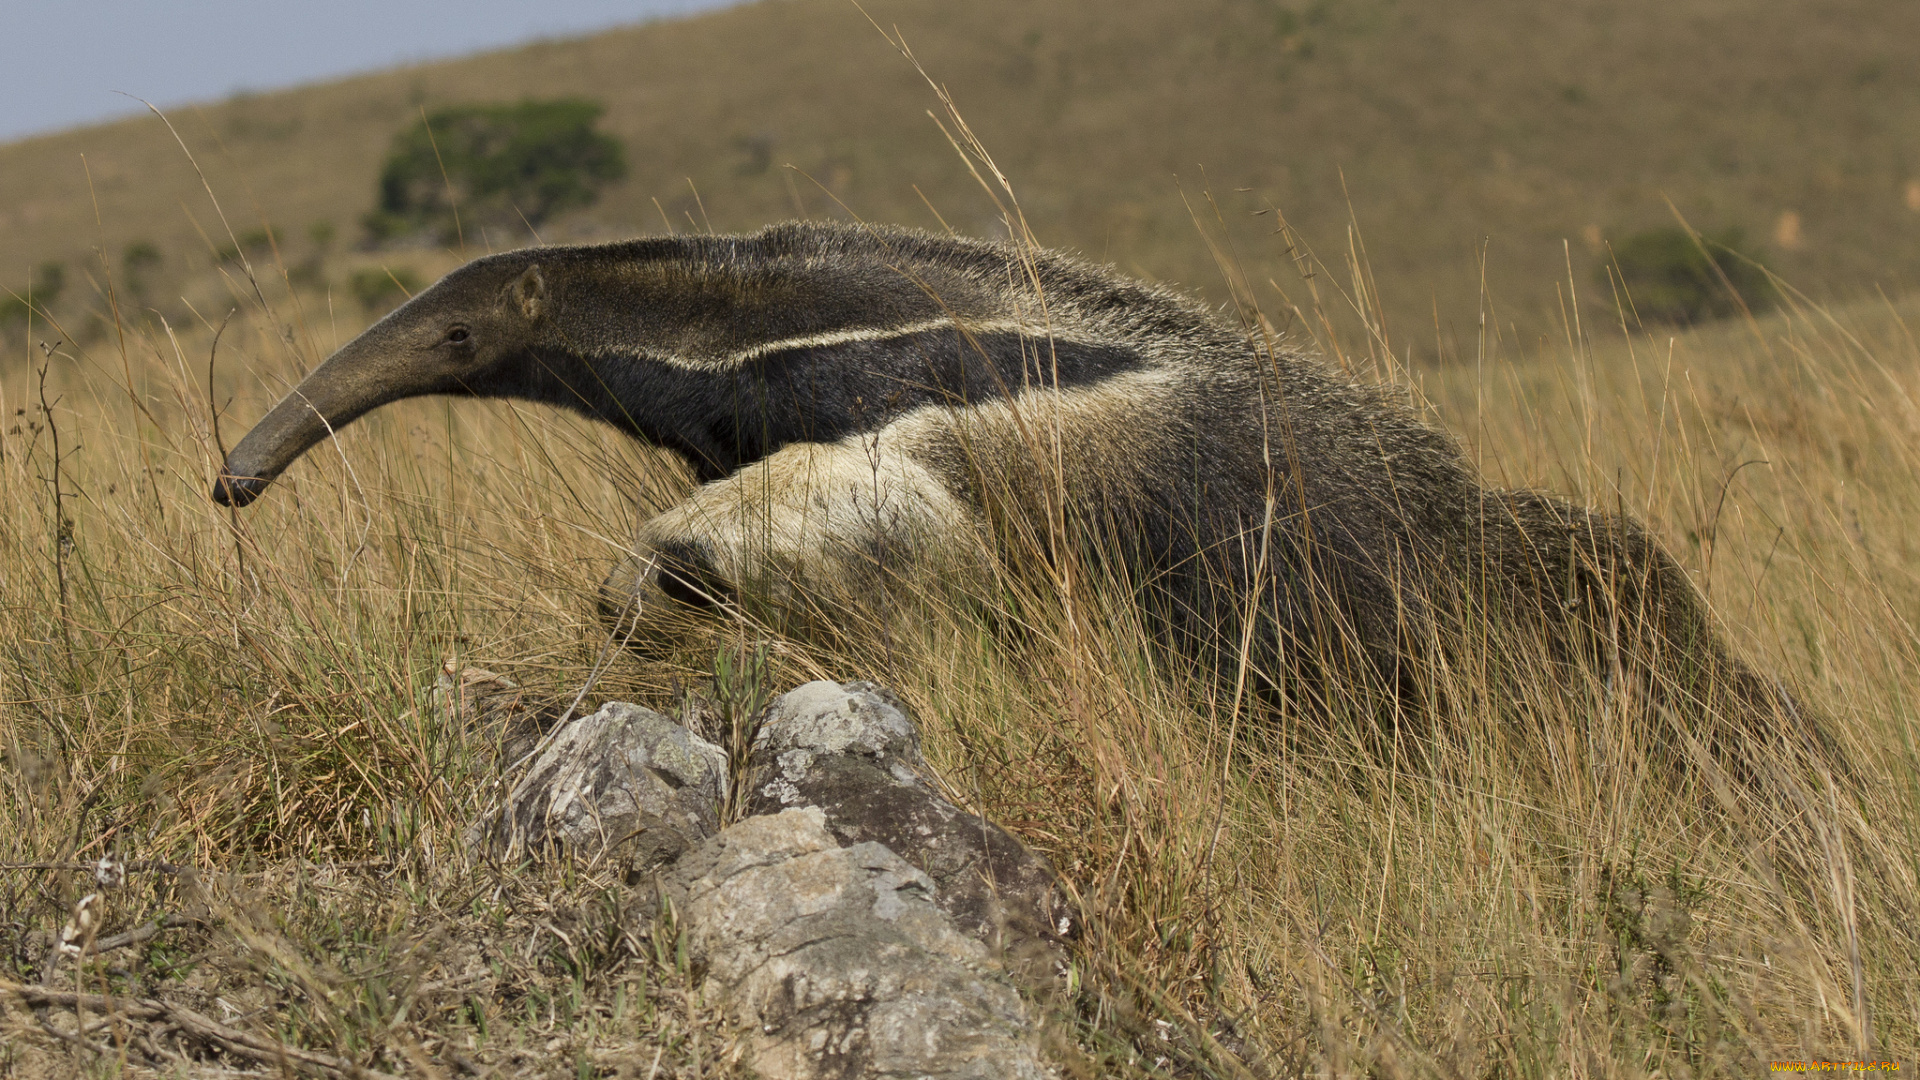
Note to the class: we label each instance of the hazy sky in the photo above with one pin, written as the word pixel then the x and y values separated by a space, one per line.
pixel 62 60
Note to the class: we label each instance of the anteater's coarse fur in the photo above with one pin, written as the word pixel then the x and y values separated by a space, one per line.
pixel 846 391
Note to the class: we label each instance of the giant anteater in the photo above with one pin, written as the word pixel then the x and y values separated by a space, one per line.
pixel 845 391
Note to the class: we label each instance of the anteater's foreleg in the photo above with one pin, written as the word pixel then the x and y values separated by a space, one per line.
pixel 802 527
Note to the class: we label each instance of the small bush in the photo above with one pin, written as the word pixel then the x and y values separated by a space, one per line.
pixel 42 289
pixel 494 164
pixel 1670 277
pixel 252 242
pixel 140 259
pixel 378 287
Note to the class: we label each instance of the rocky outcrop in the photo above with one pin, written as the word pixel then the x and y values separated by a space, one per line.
pixel 855 922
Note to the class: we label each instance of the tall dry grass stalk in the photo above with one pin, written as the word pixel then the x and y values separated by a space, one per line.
pixel 1521 884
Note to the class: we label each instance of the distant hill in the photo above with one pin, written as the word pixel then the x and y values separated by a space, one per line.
pixel 1532 130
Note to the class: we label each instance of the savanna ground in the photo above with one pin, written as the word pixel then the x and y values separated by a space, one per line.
pixel 241 707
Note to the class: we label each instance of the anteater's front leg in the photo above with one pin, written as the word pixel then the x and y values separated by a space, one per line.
pixel 788 537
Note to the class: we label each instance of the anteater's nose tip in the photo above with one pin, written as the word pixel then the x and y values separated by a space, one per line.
pixel 237 490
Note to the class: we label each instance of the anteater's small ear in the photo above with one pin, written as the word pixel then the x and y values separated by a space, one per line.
pixel 530 292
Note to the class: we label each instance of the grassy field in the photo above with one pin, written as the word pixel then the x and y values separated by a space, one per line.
pixel 250 699
pixel 245 706
pixel 1485 127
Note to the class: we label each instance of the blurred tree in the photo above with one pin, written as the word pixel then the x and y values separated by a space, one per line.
pixel 381 287
pixel 1671 277
pixel 42 289
pixel 140 259
pixel 494 165
pixel 255 243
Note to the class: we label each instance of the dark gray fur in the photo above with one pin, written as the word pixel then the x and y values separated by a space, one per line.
pixel 1381 535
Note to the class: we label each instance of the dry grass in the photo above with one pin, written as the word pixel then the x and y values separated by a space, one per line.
pixel 250 695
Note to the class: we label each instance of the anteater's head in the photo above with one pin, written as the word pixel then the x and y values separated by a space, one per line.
pixel 454 338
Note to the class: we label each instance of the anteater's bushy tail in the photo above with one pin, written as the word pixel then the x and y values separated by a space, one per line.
pixel 1601 592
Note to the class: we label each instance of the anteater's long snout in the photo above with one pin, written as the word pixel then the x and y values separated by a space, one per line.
pixel 236 491
pixel 352 382
pixel 275 442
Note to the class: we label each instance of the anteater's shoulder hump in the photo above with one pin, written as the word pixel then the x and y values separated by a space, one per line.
pixel 1037 279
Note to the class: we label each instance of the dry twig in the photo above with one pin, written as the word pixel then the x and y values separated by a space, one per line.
pixel 232 1040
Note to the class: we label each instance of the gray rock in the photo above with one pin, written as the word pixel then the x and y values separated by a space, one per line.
pixel 841 718
pixel 850 750
pixel 836 963
pixel 622 783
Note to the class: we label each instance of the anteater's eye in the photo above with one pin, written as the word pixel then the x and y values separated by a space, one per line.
pixel 457 335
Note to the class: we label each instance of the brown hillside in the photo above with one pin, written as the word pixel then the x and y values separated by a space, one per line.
pixel 1513 124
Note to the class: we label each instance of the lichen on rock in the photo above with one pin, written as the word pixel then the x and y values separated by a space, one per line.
pixel 836 962
pixel 622 783
pixel 851 750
